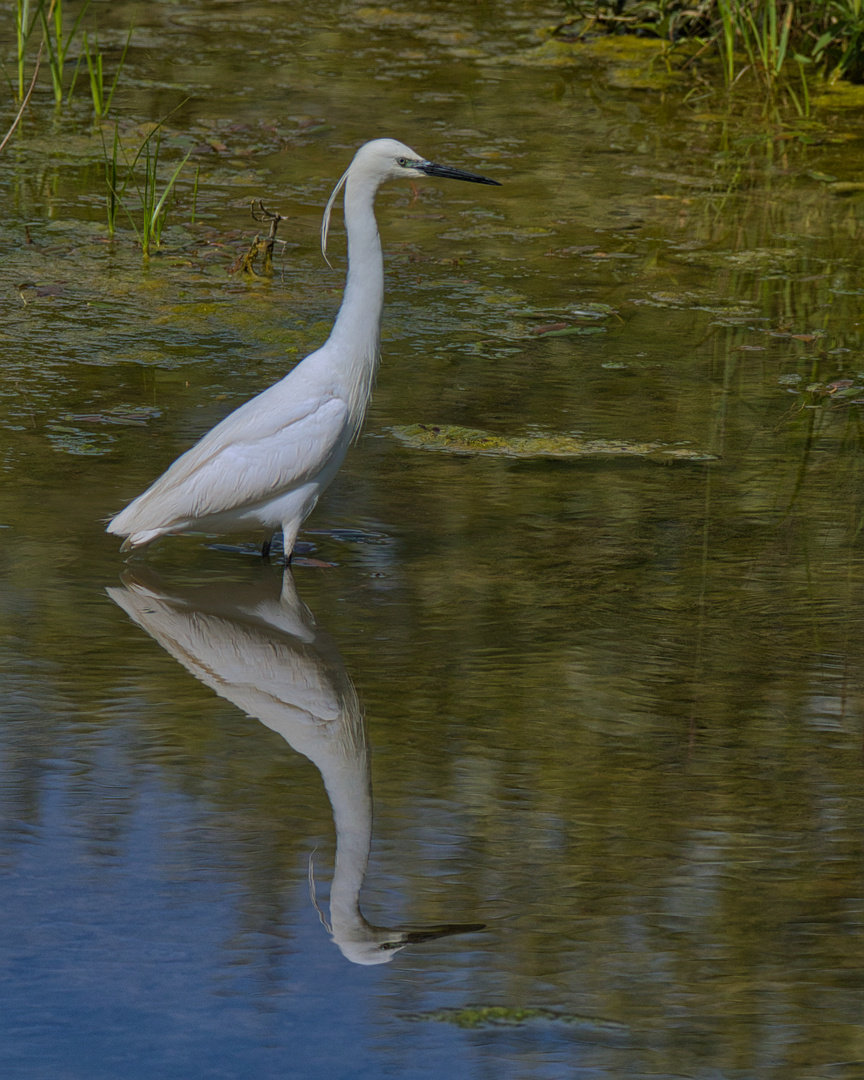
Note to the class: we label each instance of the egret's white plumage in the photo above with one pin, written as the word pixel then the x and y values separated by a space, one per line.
pixel 265 465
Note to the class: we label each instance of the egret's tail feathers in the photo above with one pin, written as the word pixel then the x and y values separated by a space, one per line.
pixel 134 539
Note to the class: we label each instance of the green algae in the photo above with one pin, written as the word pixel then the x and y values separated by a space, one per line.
pixel 840 94
pixel 633 63
pixel 473 441
pixel 479 1016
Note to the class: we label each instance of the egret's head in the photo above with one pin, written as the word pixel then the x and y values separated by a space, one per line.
pixel 388 159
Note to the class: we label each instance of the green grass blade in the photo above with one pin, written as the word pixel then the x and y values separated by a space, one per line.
pixel 195 192
pixel 74 80
pixel 784 38
pixel 727 47
pixel 172 181
pixel 119 69
pixel 75 25
pixel 53 64
pixel 94 68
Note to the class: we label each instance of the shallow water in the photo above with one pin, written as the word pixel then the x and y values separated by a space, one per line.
pixel 610 709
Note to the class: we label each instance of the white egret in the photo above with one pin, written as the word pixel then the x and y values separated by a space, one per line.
pixel 265 465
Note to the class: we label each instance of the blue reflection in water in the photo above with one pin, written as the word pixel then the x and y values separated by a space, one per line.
pixel 121 959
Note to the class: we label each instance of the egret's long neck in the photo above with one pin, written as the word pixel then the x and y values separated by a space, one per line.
pixel 357 328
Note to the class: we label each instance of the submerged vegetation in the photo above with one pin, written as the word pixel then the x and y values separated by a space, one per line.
pixel 57 43
pixel 101 99
pixel 471 441
pixel 480 1016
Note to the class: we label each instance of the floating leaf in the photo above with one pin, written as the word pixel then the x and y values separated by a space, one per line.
pixel 461 440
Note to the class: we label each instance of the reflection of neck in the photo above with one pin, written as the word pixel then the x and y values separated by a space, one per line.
pixel 331 733
pixel 349 788
pixel 268 656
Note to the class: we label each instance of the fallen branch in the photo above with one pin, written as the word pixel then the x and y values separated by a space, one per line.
pixel 245 262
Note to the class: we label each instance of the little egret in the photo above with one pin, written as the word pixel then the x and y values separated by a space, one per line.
pixel 265 465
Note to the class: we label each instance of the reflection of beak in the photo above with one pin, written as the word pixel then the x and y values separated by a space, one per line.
pixel 411 937
pixel 379 944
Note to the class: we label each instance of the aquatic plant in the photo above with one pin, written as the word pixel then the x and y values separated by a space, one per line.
pixel 840 46
pixel 473 441
pixel 479 1016
pixel 669 19
pixel 112 180
pixel 23 28
pixel 151 204
pixel 763 30
pixel 101 102
pixel 766 34
pixel 56 43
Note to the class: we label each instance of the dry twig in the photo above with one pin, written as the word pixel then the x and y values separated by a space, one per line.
pixel 17 119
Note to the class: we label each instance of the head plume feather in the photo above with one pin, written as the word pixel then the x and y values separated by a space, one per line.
pixel 325 221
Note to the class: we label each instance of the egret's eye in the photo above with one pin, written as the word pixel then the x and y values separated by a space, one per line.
pixel 403 161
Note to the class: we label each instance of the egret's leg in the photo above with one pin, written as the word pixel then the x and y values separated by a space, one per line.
pixel 289 535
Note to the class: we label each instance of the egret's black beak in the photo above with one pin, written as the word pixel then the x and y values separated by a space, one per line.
pixel 449 173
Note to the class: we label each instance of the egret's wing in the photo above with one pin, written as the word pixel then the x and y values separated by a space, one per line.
pixel 253 454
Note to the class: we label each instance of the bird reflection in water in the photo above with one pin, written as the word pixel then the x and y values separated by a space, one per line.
pixel 260 647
